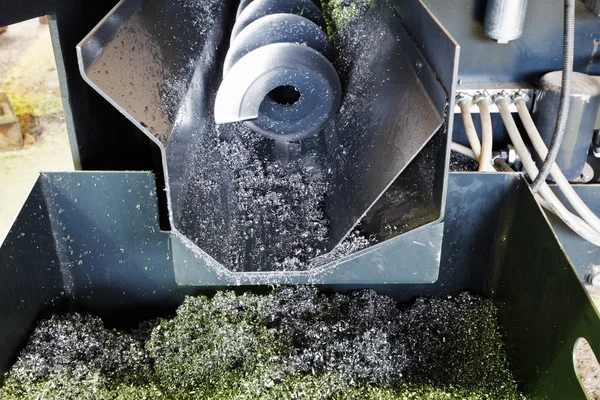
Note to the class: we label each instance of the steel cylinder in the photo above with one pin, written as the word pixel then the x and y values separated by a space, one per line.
pixel 504 19
pixel 583 109
pixel 277 77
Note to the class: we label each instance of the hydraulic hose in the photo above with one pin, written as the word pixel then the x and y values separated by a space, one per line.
pixel 560 179
pixel 550 200
pixel 487 138
pixel 573 221
pixel 565 94
pixel 464 150
pixel 470 127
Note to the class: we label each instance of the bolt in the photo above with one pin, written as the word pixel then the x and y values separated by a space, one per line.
pixel 478 97
pixel 593 277
pixel 512 154
pixel 519 95
pixel 460 97
pixel 587 174
pixel 499 96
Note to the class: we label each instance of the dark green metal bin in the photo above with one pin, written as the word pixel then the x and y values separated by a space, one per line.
pixel 497 243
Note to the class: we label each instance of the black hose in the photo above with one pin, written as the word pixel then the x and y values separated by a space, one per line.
pixel 565 94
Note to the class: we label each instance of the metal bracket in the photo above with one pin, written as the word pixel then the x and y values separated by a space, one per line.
pixel 472 96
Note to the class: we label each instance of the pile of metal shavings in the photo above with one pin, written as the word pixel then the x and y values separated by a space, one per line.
pixel 279 220
pixel 294 343
pixel 462 163
pixel 353 243
pixel 260 213
pixel 340 13
pixel 73 356
pixel 347 35
pixel 275 216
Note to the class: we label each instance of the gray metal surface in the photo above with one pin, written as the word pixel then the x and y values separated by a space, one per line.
pixel 582 254
pixel 473 216
pixel 583 109
pixel 504 19
pixel 108 222
pixel 261 8
pixel 276 76
pixel 86 239
pixel 410 258
pixel 543 307
pixel 108 219
pixel 132 35
pixel 594 5
pixel 392 119
pixel 30 275
pixel 106 231
pixel 277 28
pixel 442 51
pixel 242 6
pixel 535 53
pixel 399 106
pixel 244 94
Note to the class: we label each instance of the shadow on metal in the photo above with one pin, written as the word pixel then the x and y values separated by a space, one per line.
pixel 584 255
pixel 543 307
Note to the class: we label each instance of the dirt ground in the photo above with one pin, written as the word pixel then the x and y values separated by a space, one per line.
pixel 28 75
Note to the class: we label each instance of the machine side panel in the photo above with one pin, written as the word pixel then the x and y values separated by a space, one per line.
pixel 30 278
pixel 543 308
